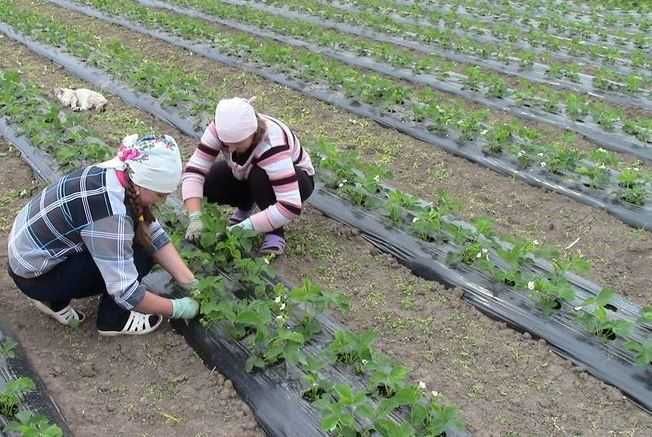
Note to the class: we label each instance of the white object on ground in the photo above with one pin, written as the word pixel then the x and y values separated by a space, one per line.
pixel 81 99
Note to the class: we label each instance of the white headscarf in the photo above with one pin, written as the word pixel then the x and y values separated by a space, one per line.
pixel 235 119
pixel 152 162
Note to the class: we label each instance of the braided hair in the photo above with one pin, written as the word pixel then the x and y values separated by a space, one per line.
pixel 143 216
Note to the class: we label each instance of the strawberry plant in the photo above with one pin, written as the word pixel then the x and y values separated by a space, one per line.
pixel 426 417
pixel 12 393
pixel 389 428
pixel 594 316
pixel 254 274
pixel 8 348
pixel 315 300
pixel 428 224
pixel 471 125
pixel 316 383
pixel 284 345
pixel 498 137
pixel 397 204
pixel 605 116
pixel 212 297
pixel 563 159
pixel 577 106
pixel 632 183
pixel 646 314
pixel 641 129
pixel 386 378
pixel 353 349
pixel 549 294
pixel 642 352
pixel 433 418
pixel 28 424
pixel 363 190
pixel 341 411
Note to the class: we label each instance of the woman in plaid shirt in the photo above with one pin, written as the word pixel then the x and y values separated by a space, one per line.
pixel 93 233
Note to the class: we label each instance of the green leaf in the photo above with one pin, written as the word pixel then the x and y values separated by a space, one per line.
pixel 329 423
pixel 646 314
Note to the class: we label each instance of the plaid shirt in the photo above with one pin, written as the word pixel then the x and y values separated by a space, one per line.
pixel 83 211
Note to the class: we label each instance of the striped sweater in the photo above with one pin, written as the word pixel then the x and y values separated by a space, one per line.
pixel 277 154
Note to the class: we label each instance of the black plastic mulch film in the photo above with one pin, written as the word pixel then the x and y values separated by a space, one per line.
pixel 616 141
pixel 275 393
pixel 638 217
pixel 38 401
pixel 616 66
pixel 607 361
pixel 536 73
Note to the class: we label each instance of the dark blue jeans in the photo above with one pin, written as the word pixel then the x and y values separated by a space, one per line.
pixel 78 277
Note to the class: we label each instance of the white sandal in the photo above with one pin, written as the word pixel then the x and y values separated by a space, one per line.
pixel 137 324
pixel 67 316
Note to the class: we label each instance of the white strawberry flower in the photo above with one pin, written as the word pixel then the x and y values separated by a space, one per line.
pixel 540 155
pixel 364 362
pixel 434 393
pixel 543 164
pixel 282 307
pixel 422 385
pixel 521 153
pixel 278 299
pixel 535 242
pixel 416 219
pixel 479 255
pixel 485 251
pixel 530 285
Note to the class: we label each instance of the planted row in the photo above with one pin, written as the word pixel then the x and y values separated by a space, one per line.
pixel 605 16
pixel 605 78
pixel 575 107
pixel 548 45
pixel 70 143
pixel 12 394
pixel 557 22
pixel 515 142
pixel 508 261
pixel 278 323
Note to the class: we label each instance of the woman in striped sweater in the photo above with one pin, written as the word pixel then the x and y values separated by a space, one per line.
pixel 263 165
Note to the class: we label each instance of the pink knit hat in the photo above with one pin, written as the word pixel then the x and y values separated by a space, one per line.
pixel 235 120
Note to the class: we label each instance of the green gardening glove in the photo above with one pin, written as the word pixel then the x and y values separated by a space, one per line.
pixel 185 308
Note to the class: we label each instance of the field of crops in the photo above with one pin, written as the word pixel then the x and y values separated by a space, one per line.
pixel 473 262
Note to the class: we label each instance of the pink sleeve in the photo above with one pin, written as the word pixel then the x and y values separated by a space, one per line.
pixel 200 163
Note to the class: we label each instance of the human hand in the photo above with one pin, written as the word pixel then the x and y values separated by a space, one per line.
pixel 185 308
pixel 195 226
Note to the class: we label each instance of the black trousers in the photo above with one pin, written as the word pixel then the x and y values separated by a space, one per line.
pixel 78 277
pixel 223 188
